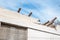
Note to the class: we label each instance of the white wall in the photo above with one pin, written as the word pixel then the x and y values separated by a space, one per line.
pixel 37 35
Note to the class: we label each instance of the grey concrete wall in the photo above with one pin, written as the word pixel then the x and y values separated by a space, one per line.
pixel 0 24
pixel 8 32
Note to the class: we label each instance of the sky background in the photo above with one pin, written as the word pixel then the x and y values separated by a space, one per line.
pixel 42 9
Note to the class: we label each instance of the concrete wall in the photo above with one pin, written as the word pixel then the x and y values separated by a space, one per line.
pixel 9 32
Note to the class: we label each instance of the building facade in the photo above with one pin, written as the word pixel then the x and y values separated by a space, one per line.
pixel 12 32
pixel 14 26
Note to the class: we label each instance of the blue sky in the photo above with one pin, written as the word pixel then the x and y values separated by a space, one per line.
pixel 41 9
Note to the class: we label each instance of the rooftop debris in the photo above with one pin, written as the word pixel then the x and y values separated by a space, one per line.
pixel 30 14
pixel 50 23
pixel 19 10
pixel 46 23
